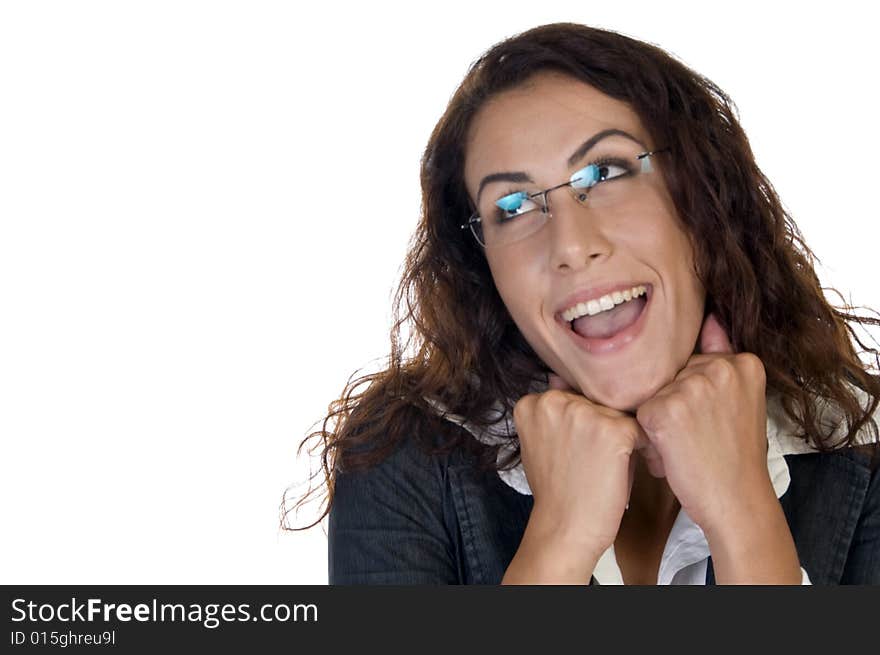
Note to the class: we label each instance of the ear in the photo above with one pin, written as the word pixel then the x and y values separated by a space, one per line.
pixel 713 337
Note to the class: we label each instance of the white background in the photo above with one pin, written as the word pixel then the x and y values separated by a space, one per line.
pixel 203 210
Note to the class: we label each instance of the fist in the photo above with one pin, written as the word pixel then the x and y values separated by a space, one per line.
pixel 709 428
pixel 578 459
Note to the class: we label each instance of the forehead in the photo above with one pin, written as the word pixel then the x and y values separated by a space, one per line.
pixel 537 125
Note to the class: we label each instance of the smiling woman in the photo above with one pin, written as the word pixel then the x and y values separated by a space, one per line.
pixel 623 232
pixel 621 365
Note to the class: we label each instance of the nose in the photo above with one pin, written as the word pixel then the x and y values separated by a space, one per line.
pixel 576 235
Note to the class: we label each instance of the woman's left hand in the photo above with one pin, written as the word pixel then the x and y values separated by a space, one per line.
pixel 709 427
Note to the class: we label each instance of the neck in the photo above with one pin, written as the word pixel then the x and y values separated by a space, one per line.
pixel 651 502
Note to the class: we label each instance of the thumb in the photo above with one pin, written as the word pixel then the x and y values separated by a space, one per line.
pixel 713 337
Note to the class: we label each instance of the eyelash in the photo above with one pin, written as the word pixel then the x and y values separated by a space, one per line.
pixel 601 161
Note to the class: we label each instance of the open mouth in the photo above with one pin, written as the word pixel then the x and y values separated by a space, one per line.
pixel 613 328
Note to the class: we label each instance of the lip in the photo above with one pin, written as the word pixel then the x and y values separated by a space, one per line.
pixel 585 295
pixel 619 340
pixel 592 293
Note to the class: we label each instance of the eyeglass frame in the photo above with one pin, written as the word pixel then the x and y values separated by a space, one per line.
pixel 475 218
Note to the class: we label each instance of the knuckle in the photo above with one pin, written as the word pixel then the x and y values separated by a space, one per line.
pixel 552 397
pixel 753 364
pixel 523 407
pixel 677 408
pixel 573 415
pixel 722 369
pixel 699 383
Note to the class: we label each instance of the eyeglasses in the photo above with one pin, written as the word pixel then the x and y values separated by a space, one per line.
pixel 612 183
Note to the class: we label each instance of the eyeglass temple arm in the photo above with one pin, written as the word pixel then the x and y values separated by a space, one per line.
pixel 652 152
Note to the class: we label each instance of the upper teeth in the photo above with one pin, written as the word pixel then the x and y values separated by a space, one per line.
pixel 601 304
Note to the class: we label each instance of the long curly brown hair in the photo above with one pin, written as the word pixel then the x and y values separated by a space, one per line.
pixel 453 340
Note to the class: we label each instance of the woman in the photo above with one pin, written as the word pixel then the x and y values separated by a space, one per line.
pixel 621 367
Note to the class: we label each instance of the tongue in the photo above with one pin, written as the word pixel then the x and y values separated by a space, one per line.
pixel 610 322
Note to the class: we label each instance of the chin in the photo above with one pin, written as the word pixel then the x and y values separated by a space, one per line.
pixel 623 395
pixel 628 405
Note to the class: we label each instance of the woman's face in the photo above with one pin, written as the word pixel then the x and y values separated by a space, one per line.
pixel 582 251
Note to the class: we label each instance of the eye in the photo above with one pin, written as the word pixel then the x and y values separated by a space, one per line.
pixel 599 171
pixel 514 204
pixel 585 178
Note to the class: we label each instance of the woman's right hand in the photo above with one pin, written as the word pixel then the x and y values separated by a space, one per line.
pixel 579 460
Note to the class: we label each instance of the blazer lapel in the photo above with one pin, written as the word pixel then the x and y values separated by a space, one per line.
pixel 822 506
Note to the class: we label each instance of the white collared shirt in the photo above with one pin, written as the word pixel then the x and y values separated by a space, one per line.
pixel 686 553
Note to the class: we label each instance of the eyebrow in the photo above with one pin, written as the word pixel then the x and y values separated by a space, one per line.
pixel 520 176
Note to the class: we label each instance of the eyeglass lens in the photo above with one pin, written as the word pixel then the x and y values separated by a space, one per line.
pixel 613 182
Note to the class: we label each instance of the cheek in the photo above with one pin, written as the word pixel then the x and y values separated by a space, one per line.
pixel 520 287
pixel 692 288
pixel 525 307
pixel 690 301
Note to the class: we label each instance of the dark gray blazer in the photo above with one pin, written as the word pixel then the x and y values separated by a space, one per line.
pixel 421 519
